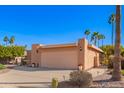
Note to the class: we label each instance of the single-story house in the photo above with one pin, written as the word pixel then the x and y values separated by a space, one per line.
pixel 66 56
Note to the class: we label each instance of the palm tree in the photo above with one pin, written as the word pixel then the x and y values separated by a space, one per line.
pixel 101 37
pixel 117 59
pixel 12 40
pixel 94 37
pixel 112 21
pixel 87 33
pixel 6 40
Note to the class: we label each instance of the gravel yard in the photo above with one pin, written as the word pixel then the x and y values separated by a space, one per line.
pixel 104 81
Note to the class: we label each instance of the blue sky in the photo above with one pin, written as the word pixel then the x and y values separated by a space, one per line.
pixel 54 24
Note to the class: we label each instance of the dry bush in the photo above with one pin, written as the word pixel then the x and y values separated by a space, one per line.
pixel 81 78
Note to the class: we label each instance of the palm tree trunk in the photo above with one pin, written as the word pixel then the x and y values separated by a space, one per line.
pixel 6 43
pixel 87 37
pixel 95 41
pixel 117 60
pixel 98 43
pixel 102 42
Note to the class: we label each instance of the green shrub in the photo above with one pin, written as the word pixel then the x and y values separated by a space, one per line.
pixel 105 62
pixel 109 51
pixel 2 66
pixel 122 72
pixel 10 52
pixel 81 78
pixel 54 83
pixel 110 65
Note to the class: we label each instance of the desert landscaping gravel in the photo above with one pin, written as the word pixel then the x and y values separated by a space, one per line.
pixel 104 81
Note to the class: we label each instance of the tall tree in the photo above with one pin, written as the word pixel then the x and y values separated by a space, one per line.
pixel 117 53
pixel 101 37
pixel 12 40
pixel 6 40
pixel 87 33
pixel 112 21
pixel 94 37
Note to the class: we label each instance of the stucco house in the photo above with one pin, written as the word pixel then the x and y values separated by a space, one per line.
pixel 66 56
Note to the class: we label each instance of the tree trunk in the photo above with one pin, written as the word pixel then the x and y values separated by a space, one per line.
pixel 98 43
pixel 95 40
pixel 117 57
pixel 6 43
pixel 102 42
pixel 87 37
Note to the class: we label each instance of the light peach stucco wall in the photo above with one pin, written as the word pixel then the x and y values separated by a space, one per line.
pixel 82 48
pixel 66 58
pixel 89 56
pixel 90 59
pixel 36 54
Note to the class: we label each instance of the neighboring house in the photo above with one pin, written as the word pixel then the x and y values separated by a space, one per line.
pixel 66 56
pixel 28 57
pixel 18 60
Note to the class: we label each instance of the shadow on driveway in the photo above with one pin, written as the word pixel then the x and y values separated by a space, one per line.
pixel 25 68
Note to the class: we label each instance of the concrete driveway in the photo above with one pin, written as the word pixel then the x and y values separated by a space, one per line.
pixel 21 76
